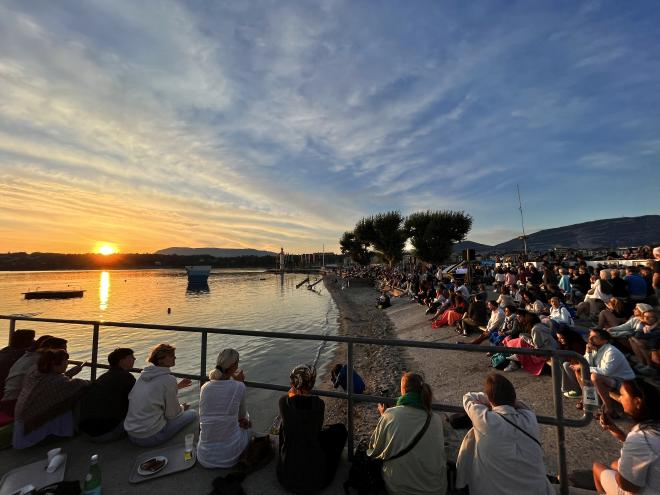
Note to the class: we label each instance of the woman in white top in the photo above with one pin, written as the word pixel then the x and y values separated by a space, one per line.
pixel 223 419
pixel 559 318
pixel 638 468
pixel 599 295
pixel 501 454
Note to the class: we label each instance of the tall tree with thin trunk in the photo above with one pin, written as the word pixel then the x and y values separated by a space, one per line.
pixel 351 246
pixel 433 233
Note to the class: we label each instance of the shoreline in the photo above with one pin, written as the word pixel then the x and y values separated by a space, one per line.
pixel 451 374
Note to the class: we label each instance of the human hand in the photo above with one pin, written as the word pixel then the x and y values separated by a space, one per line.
pixel 185 406
pixel 244 423
pixel 186 382
pixel 574 367
pixel 71 372
pixel 239 375
pixel 382 408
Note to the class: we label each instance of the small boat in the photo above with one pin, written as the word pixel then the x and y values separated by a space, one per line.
pixel 198 274
pixel 54 294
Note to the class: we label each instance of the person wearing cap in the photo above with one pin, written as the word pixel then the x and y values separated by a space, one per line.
pixel 154 412
pixel 224 422
pixel 308 452
pixel 19 342
pixel 634 324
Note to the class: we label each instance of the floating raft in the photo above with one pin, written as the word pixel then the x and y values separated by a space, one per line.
pixel 53 294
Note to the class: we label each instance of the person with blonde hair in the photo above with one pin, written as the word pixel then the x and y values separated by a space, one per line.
pixel 409 439
pixel 154 412
pixel 224 422
pixel 596 298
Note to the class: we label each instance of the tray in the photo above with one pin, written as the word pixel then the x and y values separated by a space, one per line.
pixel 175 463
pixel 31 474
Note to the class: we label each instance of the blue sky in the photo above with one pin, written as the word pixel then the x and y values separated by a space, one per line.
pixel 266 124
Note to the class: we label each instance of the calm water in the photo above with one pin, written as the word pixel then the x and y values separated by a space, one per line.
pixel 235 299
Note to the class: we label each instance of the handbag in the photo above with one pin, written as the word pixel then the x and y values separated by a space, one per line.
pixel 366 475
pixel 498 361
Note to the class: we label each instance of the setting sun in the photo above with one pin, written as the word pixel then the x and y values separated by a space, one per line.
pixel 106 250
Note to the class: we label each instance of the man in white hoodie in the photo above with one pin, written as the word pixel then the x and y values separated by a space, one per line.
pixel 154 412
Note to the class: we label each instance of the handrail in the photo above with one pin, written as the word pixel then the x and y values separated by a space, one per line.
pixel 557 421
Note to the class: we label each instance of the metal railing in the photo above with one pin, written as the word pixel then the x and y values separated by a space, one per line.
pixel 558 421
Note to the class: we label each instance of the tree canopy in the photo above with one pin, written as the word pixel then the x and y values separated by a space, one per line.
pixel 433 233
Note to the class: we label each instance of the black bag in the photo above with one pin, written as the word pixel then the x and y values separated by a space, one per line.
pixel 61 488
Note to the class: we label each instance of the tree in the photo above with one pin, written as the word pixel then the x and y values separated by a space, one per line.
pixel 433 233
pixel 355 248
pixel 384 233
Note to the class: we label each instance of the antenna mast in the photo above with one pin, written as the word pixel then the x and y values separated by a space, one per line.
pixel 522 220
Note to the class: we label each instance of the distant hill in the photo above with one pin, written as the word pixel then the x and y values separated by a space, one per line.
pixel 607 233
pixel 459 247
pixel 216 252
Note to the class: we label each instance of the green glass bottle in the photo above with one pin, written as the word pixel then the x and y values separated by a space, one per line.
pixel 93 478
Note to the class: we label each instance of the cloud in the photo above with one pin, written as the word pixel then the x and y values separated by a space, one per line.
pixel 260 123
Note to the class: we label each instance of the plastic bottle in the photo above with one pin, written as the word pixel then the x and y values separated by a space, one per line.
pixel 93 478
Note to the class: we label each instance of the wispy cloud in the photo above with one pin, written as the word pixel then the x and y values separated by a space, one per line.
pixel 265 123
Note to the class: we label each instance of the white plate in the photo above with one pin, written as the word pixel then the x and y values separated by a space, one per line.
pixel 143 472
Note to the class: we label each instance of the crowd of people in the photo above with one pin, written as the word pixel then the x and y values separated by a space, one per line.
pixel 533 309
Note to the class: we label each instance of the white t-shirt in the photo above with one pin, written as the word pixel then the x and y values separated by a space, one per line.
pixel 221 440
pixel 640 460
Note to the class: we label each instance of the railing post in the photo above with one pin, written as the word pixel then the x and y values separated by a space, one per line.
pixel 95 350
pixel 349 406
pixel 557 397
pixel 202 359
pixel 12 329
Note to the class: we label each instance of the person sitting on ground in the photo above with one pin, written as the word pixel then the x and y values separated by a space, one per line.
pixel 383 301
pixel 646 272
pixel 422 468
pixel 510 278
pixel 619 286
pixel 634 323
pixel 25 365
pixel 559 316
pixel 532 303
pixel 104 406
pixel 475 316
pixel 339 375
pixel 656 273
pixel 536 336
pixel 636 284
pixel 512 327
pixel 494 325
pixel 462 289
pixel 505 298
pixel 500 277
pixel 441 295
pixel 614 314
pixel 565 283
pixel 638 468
pixel 48 396
pixel 644 342
pixel 224 422
pixel 308 453
pixel 154 413
pixel 607 365
pixel 453 314
pixel 498 419
pixel 515 294
pixel 597 296
pixel 19 342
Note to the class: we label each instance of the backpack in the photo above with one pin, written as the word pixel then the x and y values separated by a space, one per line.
pixel 365 475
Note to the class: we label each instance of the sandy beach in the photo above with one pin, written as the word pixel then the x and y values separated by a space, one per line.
pixel 450 374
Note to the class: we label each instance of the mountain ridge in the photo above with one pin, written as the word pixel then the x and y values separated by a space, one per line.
pixel 216 252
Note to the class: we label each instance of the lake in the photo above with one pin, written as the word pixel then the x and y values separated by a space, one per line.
pixel 238 299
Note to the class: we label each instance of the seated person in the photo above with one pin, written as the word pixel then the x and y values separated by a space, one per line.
pixel 644 342
pixel 308 452
pixel 614 314
pixel 104 406
pixel 597 296
pixel 608 367
pixel 494 325
pixel 475 316
pixel 339 375
pixel 499 419
pixel 536 336
pixel 154 413
pixel 564 283
pixel 634 323
pixel 383 301
pixel 559 317
pixel 513 323
pixel 636 284
pixel 453 314
pixel 505 299
pixel 46 401
pixel 619 286
pixel 638 468
pixel 224 422
pixel 19 342
pixel 422 469
pixel 532 303
pixel 26 364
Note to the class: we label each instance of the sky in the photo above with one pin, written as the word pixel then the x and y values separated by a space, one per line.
pixel 263 124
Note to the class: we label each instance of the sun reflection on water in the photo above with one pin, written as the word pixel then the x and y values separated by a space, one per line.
pixel 104 291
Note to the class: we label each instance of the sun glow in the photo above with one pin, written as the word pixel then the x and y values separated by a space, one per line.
pixel 106 250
